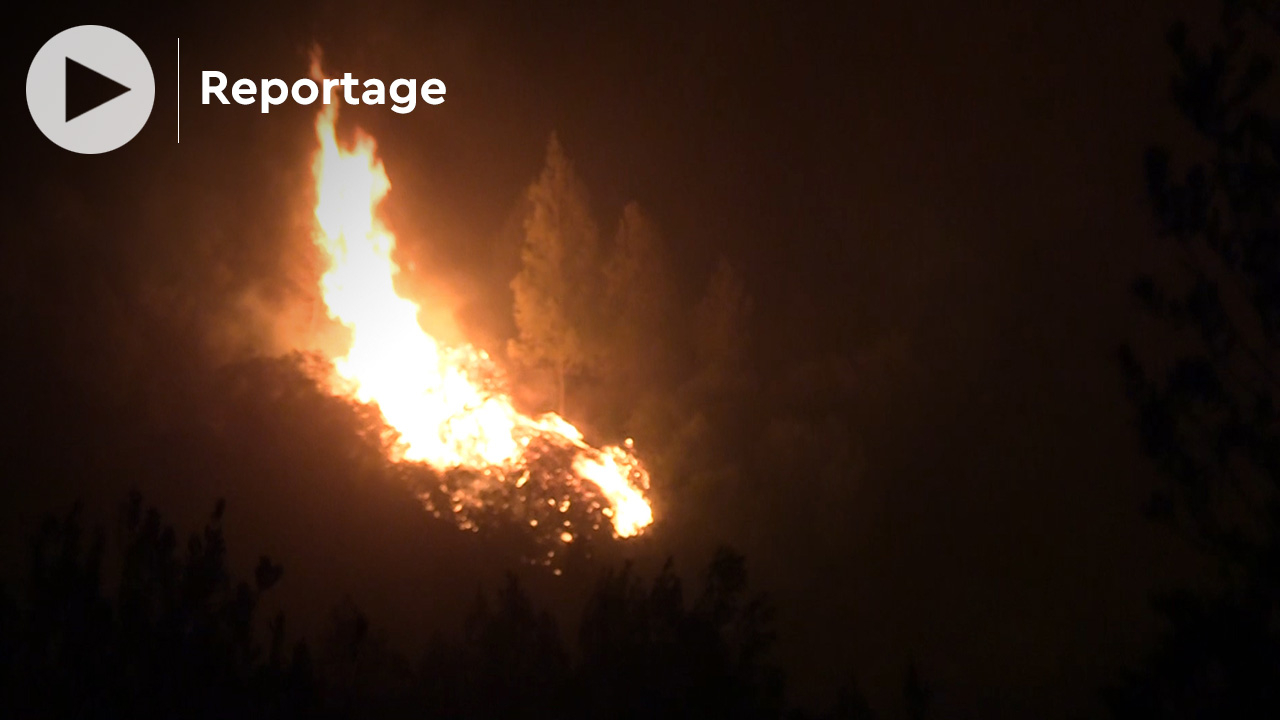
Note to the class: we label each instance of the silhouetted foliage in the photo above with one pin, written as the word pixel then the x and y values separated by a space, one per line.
pixel 916 694
pixel 172 636
pixel 161 628
pixel 701 660
pixel 851 705
pixel 1208 417
pixel 642 652
pixel 552 291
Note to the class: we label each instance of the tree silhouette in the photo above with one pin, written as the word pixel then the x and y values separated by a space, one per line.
pixel 638 359
pixel 642 652
pixel 1207 417
pixel 174 636
pixel 637 293
pixel 720 322
pixel 161 629
pixel 851 704
pixel 916 695
pixel 704 659
pixel 554 290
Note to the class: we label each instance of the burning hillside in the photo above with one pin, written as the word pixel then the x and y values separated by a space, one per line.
pixel 449 405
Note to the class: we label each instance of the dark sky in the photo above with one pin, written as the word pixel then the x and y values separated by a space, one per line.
pixel 936 207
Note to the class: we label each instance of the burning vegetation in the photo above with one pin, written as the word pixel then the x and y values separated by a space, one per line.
pixel 449 407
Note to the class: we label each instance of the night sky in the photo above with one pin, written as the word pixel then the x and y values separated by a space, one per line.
pixel 936 208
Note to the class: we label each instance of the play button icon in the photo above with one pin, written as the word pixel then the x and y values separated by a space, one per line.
pixel 90 89
pixel 87 88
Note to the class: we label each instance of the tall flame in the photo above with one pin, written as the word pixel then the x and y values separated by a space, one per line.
pixel 443 401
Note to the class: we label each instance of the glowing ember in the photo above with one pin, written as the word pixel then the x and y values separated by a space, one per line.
pixel 447 403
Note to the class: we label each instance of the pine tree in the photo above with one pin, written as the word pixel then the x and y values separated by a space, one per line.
pixel 720 323
pixel 638 299
pixel 555 289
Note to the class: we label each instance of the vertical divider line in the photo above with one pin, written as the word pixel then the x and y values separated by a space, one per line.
pixel 179 91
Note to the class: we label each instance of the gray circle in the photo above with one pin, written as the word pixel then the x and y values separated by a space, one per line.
pixel 106 52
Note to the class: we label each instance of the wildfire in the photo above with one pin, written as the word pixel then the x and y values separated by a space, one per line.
pixel 447 403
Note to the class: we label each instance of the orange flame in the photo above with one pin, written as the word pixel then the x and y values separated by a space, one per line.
pixel 441 400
